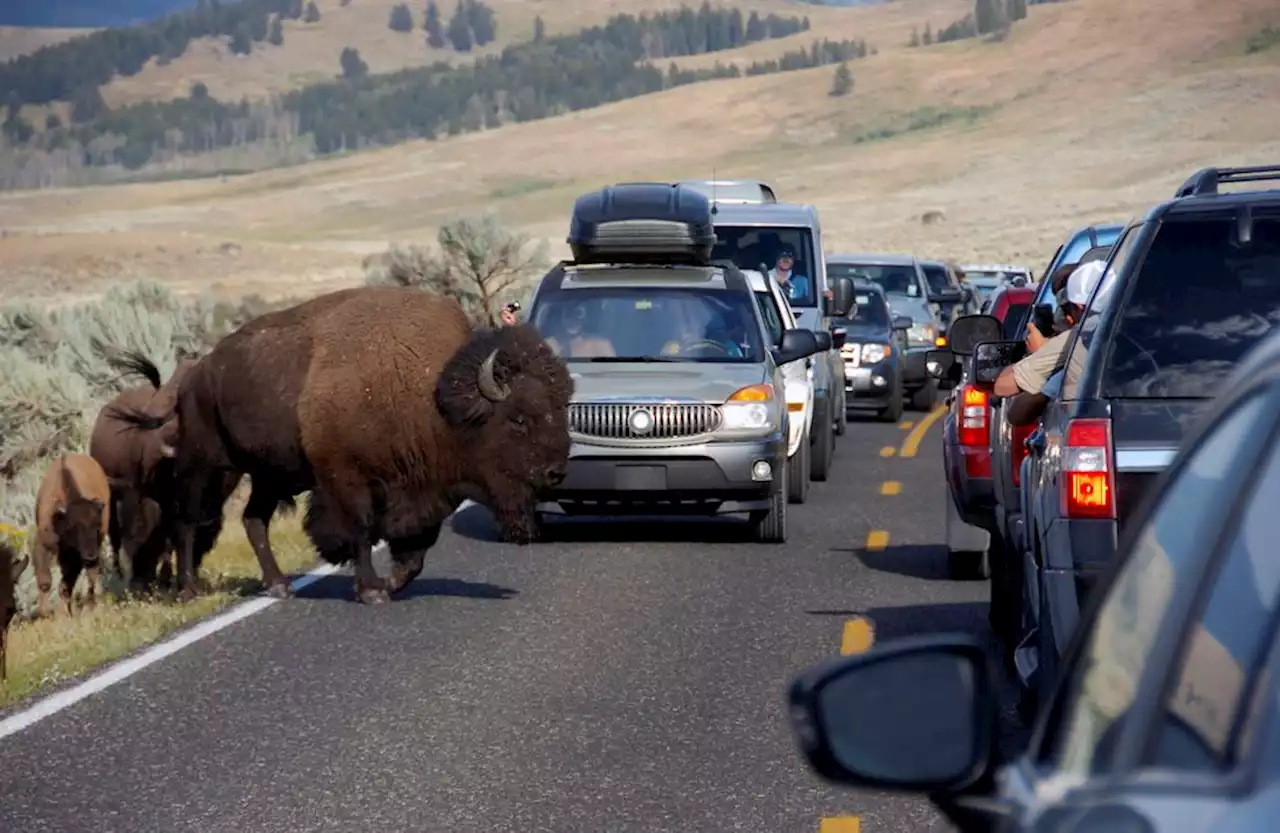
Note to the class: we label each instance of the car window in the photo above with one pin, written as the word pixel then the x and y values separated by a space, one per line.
pixel 1228 645
pixel 1200 302
pixel 893 279
pixel 760 248
pixel 1014 326
pixel 623 323
pixel 771 315
pixel 872 309
pixel 936 277
pixel 1078 347
pixel 1104 678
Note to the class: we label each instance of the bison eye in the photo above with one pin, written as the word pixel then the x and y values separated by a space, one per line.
pixel 518 419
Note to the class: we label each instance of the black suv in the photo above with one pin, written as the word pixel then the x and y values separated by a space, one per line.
pixel 1187 291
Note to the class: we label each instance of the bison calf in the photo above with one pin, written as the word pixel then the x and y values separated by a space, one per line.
pixel 10 568
pixel 72 517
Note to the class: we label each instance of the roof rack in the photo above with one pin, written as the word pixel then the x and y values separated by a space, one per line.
pixel 1206 180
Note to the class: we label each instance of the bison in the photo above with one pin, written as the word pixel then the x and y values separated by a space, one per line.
pixel 387 407
pixel 139 469
pixel 72 516
pixel 10 568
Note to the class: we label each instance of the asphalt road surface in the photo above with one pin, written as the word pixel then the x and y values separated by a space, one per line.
pixel 625 678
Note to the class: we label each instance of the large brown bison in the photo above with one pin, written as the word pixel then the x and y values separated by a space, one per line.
pixel 10 568
pixel 387 407
pixel 139 468
pixel 71 523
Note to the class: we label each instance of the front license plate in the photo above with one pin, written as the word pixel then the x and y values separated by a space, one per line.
pixel 640 478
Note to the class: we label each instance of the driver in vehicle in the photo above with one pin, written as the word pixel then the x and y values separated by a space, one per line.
pixel 1073 286
pixel 690 338
pixel 796 287
pixel 580 345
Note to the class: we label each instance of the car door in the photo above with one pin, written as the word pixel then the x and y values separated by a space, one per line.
pixel 1165 692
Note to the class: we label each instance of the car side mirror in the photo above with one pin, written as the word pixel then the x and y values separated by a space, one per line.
pixel 950 296
pixel 916 715
pixel 839 335
pixel 797 344
pixel 938 363
pixel 903 322
pixel 968 331
pixel 990 358
pixel 824 340
pixel 841 302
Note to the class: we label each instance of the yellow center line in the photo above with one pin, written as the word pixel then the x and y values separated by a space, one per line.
pixel 890 487
pixel 906 424
pixel 912 443
pixel 877 539
pixel 858 636
pixel 840 824
pixel 888 451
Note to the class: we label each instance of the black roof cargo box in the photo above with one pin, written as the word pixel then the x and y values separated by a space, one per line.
pixel 642 222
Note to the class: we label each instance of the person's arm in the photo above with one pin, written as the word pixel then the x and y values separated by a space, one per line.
pixel 1006 384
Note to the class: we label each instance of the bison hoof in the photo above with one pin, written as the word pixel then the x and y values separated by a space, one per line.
pixel 280 589
pixel 373 595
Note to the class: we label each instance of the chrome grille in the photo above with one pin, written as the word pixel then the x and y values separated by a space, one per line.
pixel 612 420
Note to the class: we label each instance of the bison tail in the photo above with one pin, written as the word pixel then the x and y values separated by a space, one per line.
pixel 132 362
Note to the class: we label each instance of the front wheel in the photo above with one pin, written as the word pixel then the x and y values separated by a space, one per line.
pixel 823 442
pixel 923 399
pixel 771 524
pixel 798 472
pixel 842 414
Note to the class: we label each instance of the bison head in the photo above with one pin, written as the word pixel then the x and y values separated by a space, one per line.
pixel 508 395
pixel 77 521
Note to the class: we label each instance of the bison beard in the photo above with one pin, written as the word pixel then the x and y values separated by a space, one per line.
pixel 383 404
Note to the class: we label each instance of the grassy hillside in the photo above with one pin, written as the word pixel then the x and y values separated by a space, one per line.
pixel 1088 110
pixel 310 50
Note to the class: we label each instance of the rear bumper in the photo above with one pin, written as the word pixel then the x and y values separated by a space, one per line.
pixel 705 479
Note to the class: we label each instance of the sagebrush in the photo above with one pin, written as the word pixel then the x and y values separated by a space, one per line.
pixel 56 374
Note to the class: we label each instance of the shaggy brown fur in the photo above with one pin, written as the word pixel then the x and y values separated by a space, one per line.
pixel 140 470
pixel 380 401
pixel 72 518
pixel 10 568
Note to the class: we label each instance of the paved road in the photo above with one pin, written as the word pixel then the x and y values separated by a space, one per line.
pixel 626 678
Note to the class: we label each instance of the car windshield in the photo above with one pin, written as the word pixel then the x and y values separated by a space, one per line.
pixel 643 324
pixel 1201 301
pixel 767 250
pixel 872 311
pixel 772 316
pixel 937 277
pixel 894 279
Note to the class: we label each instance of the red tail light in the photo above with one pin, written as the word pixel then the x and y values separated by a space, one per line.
pixel 972 430
pixel 1088 474
pixel 1018 449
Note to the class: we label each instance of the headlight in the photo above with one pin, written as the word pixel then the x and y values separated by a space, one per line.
pixel 872 353
pixel 922 334
pixel 750 409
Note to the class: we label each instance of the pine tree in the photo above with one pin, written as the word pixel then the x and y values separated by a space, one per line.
pixel 277 32
pixel 989 16
pixel 435 31
pixel 401 19
pixel 842 81
pixel 915 37
pixel 539 30
pixel 241 43
pixel 484 28
pixel 1017 9
pixel 459 31
pixel 312 15
pixel 353 66
pixel 927 37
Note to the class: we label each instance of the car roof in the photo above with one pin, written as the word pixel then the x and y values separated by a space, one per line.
pixel 783 214
pixel 858 259
pixel 994 267
pixel 566 277
pixel 733 191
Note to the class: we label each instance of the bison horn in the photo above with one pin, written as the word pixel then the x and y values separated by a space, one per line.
pixel 488 385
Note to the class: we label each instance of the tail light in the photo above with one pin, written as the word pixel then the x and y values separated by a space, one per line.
pixel 972 430
pixel 1088 475
pixel 1018 449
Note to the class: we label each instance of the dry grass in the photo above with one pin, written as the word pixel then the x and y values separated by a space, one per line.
pixel 1089 111
pixel 310 50
pixel 46 652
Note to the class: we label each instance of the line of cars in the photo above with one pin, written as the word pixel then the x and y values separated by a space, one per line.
pixel 1134 582
pixel 702 387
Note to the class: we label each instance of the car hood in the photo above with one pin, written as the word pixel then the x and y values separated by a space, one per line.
pixel 642 381
pixel 916 308
pixel 867 332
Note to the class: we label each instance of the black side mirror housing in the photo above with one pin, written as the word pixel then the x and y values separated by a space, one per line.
pixel 824 340
pixel 903 322
pixel 839 335
pixel 992 357
pixel 841 302
pixel 797 344
pixel 934 724
pixel 968 331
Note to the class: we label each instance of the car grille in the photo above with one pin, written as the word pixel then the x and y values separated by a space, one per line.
pixel 611 420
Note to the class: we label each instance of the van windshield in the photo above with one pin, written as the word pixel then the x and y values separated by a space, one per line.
pixel 766 249
pixel 894 279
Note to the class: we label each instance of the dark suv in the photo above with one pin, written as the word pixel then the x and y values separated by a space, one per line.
pixel 1187 291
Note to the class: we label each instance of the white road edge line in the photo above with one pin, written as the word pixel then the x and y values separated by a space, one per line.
pixel 124 669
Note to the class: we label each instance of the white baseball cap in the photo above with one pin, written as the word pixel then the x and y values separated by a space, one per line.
pixel 1083 281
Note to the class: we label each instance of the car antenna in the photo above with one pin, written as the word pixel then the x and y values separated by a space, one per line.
pixel 714 208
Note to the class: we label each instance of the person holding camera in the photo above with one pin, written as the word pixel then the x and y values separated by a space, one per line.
pixel 1072 285
pixel 508 314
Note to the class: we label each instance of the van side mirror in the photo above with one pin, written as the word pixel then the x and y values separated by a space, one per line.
pixel 903 322
pixel 968 331
pixel 840 304
pixel 797 344
pixel 992 357
pixel 824 340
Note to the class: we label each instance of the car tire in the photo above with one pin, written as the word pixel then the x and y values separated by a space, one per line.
pixel 798 473
pixel 924 398
pixel 842 414
pixel 771 524
pixel 966 547
pixel 893 412
pixel 823 443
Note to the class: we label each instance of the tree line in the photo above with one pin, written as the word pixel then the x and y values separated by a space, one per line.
pixel 473 24
pixel 989 17
pixel 526 81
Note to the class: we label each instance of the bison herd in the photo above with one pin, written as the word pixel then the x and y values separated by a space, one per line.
pixel 382 402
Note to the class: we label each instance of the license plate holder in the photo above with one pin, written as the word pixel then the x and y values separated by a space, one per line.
pixel 640 478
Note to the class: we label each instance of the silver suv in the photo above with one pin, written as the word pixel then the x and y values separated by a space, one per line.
pixel 679 403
